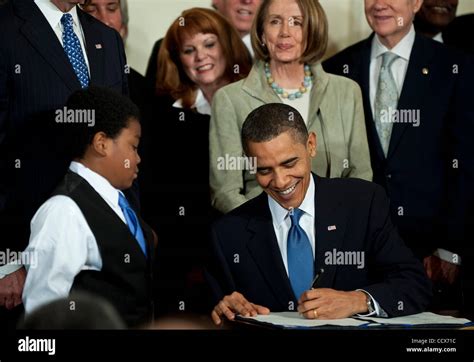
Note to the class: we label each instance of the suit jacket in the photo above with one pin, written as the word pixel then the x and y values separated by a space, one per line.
pixel 457 34
pixel 184 213
pixel 36 78
pixel 335 115
pixel 419 173
pixel 152 66
pixel 247 258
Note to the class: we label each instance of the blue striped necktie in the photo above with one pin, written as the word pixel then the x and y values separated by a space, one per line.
pixel 73 50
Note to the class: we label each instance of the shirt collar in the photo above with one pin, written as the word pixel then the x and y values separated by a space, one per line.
pixel 279 213
pixel 402 49
pixel 201 104
pixel 248 43
pixel 439 37
pixel 99 183
pixel 53 15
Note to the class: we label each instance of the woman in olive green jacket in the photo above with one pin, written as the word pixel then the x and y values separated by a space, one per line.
pixel 330 105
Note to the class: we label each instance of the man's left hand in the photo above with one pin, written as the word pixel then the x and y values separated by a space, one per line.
pixel 325 303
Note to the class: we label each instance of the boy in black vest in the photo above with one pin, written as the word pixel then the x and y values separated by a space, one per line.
pixel 87 236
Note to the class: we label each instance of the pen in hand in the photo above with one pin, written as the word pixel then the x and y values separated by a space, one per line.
pixel 317 279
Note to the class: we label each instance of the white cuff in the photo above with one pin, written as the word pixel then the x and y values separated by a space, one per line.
pixel 8 269
pixel 448 256
pixel 379 312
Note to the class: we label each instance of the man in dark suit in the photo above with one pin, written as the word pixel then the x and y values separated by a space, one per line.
pixel 37 75
pixel 437 20
pixel 417 105
pixel 267 250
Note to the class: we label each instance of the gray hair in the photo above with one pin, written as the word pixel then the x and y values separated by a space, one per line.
pixel 124 10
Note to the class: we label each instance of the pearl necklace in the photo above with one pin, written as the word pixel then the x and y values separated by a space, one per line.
pixel 308 81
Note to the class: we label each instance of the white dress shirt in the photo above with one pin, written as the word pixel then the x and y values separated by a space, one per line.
pixel 399 70
pixel 201 104
pixel 439 37
pixel 282 224
pixel 53 15
pixel 399 66
pixel 63 242
pixel 248 43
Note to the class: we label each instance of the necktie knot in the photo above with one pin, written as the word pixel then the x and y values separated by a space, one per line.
pixel 388 58
pixel 66 21
pixel 123 202
pixel 295 216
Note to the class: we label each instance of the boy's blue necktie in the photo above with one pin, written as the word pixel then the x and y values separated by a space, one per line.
pixel 73 49
pixel 300 256
pixel 132 222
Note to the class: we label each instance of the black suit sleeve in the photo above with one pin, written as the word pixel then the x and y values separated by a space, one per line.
pixel 218 274
pixel 461 166
pixel 152 65
pixel 334 65
pixel 4 99
pixel 123 64
pixel 403 286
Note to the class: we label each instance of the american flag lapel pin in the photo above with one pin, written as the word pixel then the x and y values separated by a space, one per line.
pixel 98 46
pixel 331 227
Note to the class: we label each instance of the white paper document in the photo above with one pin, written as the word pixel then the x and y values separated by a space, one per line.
pixel 293 319
pixel 419 319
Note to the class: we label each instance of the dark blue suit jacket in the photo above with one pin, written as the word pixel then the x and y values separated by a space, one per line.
pixel 425 190
pixel 247 258
pixel 457 34
pixel 36 78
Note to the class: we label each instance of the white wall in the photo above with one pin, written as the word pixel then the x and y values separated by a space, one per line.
pixel 149 20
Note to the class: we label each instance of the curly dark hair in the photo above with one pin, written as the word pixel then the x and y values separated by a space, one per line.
pixel 111 112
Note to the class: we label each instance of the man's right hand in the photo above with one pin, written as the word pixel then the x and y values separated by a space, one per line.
pixel 236 304
pixel 11 289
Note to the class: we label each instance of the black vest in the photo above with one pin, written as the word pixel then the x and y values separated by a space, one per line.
pixel 126 276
